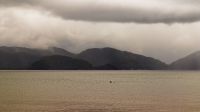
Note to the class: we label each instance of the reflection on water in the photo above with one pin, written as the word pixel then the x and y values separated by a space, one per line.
pixel 92 91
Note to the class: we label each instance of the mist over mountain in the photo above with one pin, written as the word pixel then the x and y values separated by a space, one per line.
pixel 39 52
pixel 13 58
pixel 190 62
pixel 162 29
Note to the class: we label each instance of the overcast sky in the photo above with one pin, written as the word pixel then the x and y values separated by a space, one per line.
pixel 163 29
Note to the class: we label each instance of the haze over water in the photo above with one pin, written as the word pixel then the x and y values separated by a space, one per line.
pixel 91 91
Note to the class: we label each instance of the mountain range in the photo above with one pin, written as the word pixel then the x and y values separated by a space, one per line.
pixel 53 58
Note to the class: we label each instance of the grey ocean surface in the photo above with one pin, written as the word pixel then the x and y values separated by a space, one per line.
pixel 91 91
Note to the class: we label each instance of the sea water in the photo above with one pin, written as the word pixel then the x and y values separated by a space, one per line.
pixel 99 91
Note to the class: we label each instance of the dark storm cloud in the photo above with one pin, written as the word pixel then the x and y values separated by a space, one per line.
pixel 117 11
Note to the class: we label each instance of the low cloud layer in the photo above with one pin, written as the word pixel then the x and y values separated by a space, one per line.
pixel 139 11
pixel 166 30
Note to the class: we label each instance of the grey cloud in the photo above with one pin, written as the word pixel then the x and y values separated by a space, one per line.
pixel 99 12
pixel 17 2
pixel 103 14
pixel 189 1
